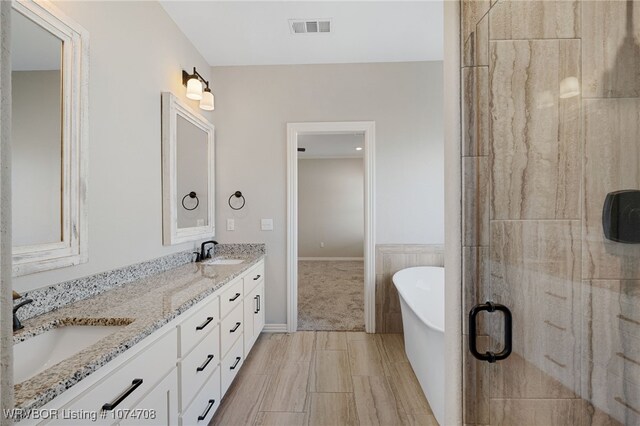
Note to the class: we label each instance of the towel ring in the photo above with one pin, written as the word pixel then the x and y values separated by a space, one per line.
pixel 192 194
pixel 237 194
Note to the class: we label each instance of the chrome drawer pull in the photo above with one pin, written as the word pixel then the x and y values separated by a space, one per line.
pixel 234 297
pixel 235 364
pixel 209 407
pixel 204 324
pixel 233 330
pixel 203 366
pixel 257 278
pixel 128 391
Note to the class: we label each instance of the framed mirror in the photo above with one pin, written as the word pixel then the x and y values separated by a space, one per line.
pixel 49 71
pixel 187 173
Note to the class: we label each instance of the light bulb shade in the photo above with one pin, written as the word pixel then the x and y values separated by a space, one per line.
pixel 569 87
pixel 207 102
pixel 194 89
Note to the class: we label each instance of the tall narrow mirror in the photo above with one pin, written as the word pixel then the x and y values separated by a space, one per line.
pixel 187 173
pixel 48 138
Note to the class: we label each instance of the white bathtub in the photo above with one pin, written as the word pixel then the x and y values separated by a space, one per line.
pixel 422 302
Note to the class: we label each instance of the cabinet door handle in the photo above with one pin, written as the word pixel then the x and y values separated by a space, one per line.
pixel 257 299
pixel 234 297
pixel 206 411
pixel 233 330
pixel 235 364
pixel 204 324
pixel 257 278
pixel 259 307
pixel 128 391
pixel 203 366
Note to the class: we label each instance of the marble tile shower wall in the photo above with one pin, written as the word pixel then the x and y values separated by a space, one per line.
pixel 538 158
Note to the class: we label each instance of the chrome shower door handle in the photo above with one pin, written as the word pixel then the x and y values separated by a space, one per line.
pixel 489 356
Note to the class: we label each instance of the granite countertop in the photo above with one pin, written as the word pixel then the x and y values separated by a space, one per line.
pixel 142 306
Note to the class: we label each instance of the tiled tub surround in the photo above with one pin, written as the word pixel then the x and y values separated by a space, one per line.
pixel 390 258
pixel 145 304
pixel 536 169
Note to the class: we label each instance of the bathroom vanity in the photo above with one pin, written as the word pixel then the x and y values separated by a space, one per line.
pixel 177 341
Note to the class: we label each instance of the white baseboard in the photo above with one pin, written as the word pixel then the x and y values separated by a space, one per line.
pixel 307 259
pixel 275 328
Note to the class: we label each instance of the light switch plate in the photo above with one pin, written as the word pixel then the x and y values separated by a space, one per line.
pixel 231 225
pixel 266 224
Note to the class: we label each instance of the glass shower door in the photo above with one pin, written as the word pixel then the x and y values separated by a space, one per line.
pixel 551 135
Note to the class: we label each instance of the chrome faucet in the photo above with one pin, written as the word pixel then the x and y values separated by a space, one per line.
pixel 17 325
pixel 206 254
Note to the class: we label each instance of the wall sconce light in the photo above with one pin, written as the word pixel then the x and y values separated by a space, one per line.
pixel 194 83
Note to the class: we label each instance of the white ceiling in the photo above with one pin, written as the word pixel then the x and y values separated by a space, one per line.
pixel 337 145
pixel 257 32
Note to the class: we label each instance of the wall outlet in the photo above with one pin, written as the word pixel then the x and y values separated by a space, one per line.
pixel 321 244
pixel 200 222
pixel 231 225
pixel 266 224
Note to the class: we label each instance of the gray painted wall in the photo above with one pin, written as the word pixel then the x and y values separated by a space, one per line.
pixel 331 207
pixel 253 106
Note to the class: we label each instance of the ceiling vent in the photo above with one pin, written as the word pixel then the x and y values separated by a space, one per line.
pixel 309 26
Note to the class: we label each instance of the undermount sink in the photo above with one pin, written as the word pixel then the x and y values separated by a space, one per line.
pixel 40 352
pixel 223 261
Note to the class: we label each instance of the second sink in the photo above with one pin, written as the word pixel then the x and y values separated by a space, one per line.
pixel 223 261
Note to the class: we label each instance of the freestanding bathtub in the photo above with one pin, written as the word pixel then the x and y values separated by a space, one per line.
pixel 421 292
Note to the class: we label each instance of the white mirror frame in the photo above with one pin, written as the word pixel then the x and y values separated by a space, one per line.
pixel 72 250
pixel 172 107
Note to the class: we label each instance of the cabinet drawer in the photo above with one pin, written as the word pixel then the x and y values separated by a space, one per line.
pixel 231 298
pixel 123 388
pixel 196 367
pixel 196 326
pixel 231 329
pixel 158 407
pixel 231 364
pixel 254 277
pixel 205 404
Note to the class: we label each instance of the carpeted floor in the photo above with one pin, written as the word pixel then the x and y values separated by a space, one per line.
pixel 331 295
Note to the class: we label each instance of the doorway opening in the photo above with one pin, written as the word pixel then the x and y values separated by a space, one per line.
pixel 330 239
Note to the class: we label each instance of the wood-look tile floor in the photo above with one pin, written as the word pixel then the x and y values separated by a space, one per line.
pixel 327 378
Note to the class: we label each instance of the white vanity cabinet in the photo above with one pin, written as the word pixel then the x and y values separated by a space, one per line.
pixel 179 374
pixel 253 305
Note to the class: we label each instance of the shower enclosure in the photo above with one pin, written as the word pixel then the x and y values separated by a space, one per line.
pixel 551 126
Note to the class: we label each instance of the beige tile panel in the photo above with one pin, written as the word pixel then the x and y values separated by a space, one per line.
pixel 611 328
pixel 240 404
pixel 476 47
pixel 535 134
pixel 375 402
pixel 518 19
pixel 611 50
pixel 407 389
pixel 280 419
pixel 287 390
pixel 472 12
pixel 475 201
pixel 301 346
pixel 475 111
pixel 330 409
pixel 527 259
pixel 536 412
pixel 476 384
pixel 612 163
pixel 365 358
pixel 390 258
pixel 331 341
pixel 330 372
pixel 475 285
